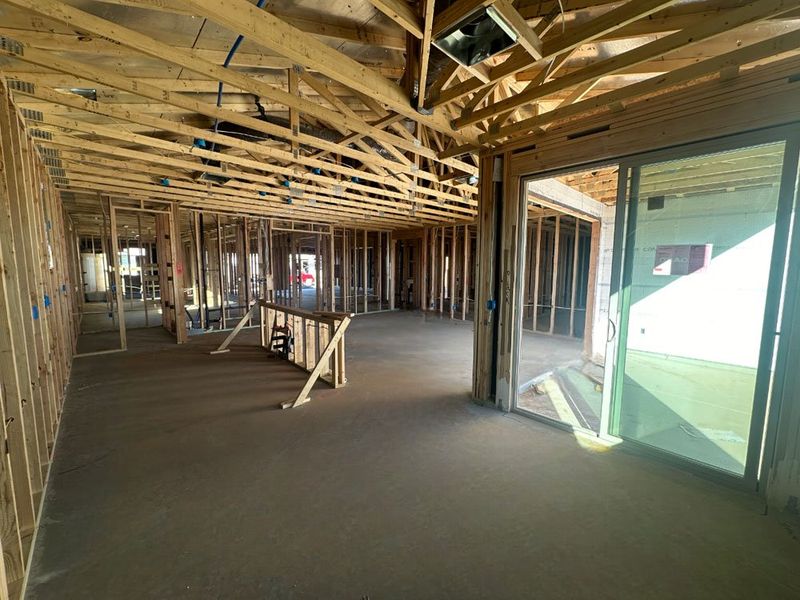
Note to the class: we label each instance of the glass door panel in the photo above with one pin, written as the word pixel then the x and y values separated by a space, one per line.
pixel 696 267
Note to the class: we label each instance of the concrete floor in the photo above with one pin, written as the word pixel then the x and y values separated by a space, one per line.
pixel 175 476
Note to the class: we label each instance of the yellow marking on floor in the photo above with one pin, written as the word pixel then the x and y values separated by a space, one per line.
pixel 563 409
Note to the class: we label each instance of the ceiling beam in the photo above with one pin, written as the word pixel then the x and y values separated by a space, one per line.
pixel 264 28
pixel 79 69
pixel 270 169
pixel 257 185
pixel 319 27
pixel 527 37
pixel 248 193
pixel 84 21
pixel 402 14
pixel 742 56
pixel 425 53
pixel 519 60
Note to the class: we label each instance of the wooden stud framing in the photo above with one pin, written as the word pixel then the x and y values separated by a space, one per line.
pixel 38 335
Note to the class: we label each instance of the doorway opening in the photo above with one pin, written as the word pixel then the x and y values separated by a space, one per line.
pixel 568 242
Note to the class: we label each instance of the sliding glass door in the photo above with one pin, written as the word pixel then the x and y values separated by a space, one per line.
pixel 700 281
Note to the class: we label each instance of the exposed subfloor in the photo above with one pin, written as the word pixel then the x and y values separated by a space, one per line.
pixel 175 476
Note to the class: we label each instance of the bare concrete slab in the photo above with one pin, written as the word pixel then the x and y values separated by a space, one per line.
pixel 176 477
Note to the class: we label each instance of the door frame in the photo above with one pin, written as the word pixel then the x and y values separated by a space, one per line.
pixel 520 287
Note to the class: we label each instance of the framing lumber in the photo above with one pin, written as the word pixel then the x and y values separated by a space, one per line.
pixel 402 14
pixel 223 347
pixel 264 32
pixel 691 35
pixel 425 53
pixel 517 61
pixel 38 335
pixel 528 38
pixel 742 56
pixel 271 32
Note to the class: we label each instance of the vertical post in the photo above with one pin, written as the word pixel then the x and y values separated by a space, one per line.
pixel 221 274
pixel 452 287
pixel 246 267
pixel 442 273
pixel 594 258
pixel 181 335
pixel 364 276
pixel 465 275
pixel 528 275
pixel 536 267
pixel 269 263
pixel 414 248
pixel 292 275
pixel 554 287
pixel 403 278
pixel 378 261
pixel 142 264
pixel 331 267
pixel 318 270
pixel 423 280
pixel 198 256
pixel 123 338
pixel 345 270
pixel 130 274
pixel 357 268
pixel 104 243
pixel 298 276
pixel 390 269
pixel 573 295
pixel 434 269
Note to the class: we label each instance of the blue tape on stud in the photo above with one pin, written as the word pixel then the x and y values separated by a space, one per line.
pixel 35 312
pixel 47 301
pixel 491 304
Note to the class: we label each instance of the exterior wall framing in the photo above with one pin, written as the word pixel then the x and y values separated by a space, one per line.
pixel 38 335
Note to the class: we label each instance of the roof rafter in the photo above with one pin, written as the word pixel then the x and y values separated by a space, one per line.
pixel 741 56
pixel 358 35
pixel 402 14
pixel 141 88
pixel 519 59
pixel 691 35
pixel 266 29
pixel 147 45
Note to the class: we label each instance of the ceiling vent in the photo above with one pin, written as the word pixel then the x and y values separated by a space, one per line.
pixel 476 37
pixel 88 93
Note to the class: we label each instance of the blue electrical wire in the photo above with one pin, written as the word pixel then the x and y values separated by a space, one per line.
pixel 228 59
